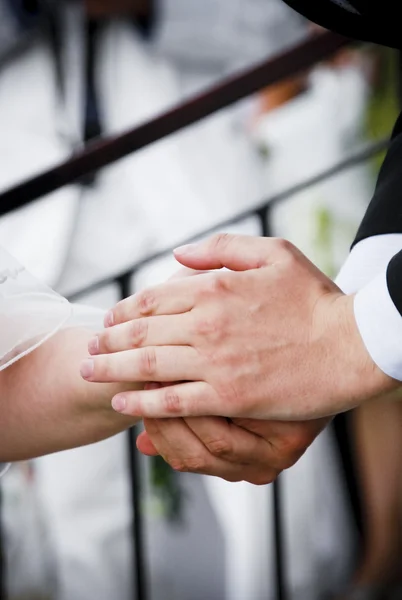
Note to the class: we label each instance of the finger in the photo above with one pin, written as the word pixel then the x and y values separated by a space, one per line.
pixel 288 440
pixel 145 445
pixel 178 445
pixel 300 433
pixel 175 297
pixel 169 330
pixel 166 363
pixel 235 252
pixel 193 399
pixel 225 440
pixel 186 272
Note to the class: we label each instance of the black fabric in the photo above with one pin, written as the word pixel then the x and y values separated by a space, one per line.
pixel 26 12
pixel 384 214
pixel 377 22
pixel 394 279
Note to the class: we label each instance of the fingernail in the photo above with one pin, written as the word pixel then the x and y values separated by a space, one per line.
pixel 93 345
pixel 109 319
pixel 187 249
pixel 87 368
pixel 119 403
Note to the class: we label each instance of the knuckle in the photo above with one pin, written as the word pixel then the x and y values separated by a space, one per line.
pixel 231 478
pixel 220 447
pixel 221 240
pixel 146 302
pixel 171 401
pixel 263 478
pixel 214 286
pixel 298 442
pixel 147 363
pixel 105 342
pixel 191 464
pixel 139 332
pixel 178 465
pixel 195 464
pixel 283 246
pixel 206 326
pixel 121 312
pixel 292 448
pixel 219 283
pixel 105 369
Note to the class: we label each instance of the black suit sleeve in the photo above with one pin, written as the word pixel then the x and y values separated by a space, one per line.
pixel 384 214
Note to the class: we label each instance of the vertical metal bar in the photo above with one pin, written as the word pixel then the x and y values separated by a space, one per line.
pixel 137 523
pixel 139 567
pixel 279 537
pixel 2 553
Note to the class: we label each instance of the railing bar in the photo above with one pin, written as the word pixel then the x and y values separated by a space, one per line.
pixel 279 538
pixel 277 497
pixel 103 152
pixel 138 533
pixel 349 162
pixel 3 588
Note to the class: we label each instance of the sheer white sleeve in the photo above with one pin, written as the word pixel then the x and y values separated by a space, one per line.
pixel 31 313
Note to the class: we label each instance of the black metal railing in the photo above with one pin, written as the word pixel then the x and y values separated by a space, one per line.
pixel 124 283
pixel 105 152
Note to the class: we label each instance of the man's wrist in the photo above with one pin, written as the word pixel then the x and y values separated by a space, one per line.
pixel 357 377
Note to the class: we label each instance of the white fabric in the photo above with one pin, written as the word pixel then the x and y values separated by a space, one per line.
pixel 380 326
pixel 238 32
pixel 30 312
pixel 4 468
pixel 319 534
pixel 35 135
pixel 366 260
pixel 377 318
pixel 79 493
pixel 157 198
pixel 188 193
pixel 322 219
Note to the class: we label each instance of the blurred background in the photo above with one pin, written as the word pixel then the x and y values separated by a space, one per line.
pixel 71 72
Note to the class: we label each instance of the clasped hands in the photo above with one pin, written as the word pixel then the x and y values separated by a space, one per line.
pixel 247 365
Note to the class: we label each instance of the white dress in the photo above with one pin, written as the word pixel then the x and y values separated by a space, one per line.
pixel 30 313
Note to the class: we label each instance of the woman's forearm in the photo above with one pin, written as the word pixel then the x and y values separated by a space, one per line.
pixel 46 406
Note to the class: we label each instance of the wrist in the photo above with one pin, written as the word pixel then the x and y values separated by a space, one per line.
pixel 90 402
pixel 359 377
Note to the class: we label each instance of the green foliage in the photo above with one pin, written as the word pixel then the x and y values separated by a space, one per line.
pixel 166 485
pixel 383 109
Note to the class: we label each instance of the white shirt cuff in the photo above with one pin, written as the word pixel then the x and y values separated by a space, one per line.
pixel 380 326
pixel 377 318
pixel 368 258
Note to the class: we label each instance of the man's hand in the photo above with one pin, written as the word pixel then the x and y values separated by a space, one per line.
pixel 272 339
pixel 236 450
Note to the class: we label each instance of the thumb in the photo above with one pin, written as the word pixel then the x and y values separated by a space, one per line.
pixel 235 252
pixel 145 445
